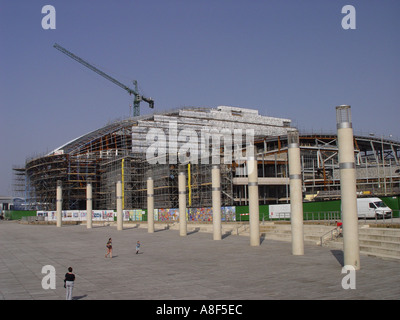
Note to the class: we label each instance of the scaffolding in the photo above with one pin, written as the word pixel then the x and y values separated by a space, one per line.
pixel 119 151
pixel 19 181
pixel 377 165
pixel 198 185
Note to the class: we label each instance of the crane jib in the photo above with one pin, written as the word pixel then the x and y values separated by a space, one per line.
pixel 138 97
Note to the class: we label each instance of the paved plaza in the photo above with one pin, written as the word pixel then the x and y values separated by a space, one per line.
pixel 171 267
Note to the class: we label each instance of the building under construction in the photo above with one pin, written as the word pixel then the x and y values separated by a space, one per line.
pixel 192 140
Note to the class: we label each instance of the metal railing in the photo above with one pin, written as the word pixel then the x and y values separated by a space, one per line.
pixel 379 220
pixel 333 234
pixel 328 216
pixel 244 228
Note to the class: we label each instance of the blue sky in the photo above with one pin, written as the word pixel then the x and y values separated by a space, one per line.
pixel 287 58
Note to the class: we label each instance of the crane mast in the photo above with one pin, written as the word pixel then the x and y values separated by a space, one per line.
pixel 138 97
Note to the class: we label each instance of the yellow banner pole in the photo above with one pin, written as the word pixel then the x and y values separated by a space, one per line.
pixel 189 186
pixel 123 186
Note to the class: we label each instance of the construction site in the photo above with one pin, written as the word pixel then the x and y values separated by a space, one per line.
pixel 192 139
pixel 118 152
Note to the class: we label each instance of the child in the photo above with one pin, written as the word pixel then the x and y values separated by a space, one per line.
pixel 109 248
pixel 137 247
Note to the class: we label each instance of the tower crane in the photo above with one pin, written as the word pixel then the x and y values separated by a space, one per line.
pixel 135 92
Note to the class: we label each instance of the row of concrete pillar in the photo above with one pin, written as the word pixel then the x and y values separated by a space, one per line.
pixel 216 203
pixel 348 195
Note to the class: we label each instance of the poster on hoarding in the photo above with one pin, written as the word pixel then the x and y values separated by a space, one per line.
pixel 168 214
pixel 228 214
pixel 279 211
pixel 133 215
pixel 200 214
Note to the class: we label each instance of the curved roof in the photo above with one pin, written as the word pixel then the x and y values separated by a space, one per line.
pixel 79 143
pixel 195 117
pixel 83 140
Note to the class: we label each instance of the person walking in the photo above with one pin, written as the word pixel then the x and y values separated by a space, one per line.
pixel 109 248
pixel 137 247
pixel 69 283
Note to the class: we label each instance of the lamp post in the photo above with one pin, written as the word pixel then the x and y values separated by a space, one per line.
pixel 119 206
pixel 89 204
pixel 216 201
pixel 296 194
pixel 150 205
pixel 347 168
pixel 254 210
pixel 59 203
pixel 182 202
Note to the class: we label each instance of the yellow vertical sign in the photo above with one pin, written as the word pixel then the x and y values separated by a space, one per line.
pixel 189 186
pixel 123 186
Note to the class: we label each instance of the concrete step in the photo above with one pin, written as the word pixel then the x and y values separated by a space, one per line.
pixel 393 245
pixel 369 251
pixel 379 237
pixel 379 242
pixel 380 234
pixel 381 249
pixel 288 238
pixel 379 231
pixel 377 248
pixel 283 232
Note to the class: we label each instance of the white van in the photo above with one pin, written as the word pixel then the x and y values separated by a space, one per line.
pixel 372 208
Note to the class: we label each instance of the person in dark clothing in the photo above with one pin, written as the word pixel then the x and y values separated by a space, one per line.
pixel 109 248
pixel 69 283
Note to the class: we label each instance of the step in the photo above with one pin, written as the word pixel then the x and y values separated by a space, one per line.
pixel 283 232
pixel 380 232
pixel 379 242
pixel 374 250
pixel 372 247
pixel 383 238
pixel 395 245
pixel 369 251
pixel 381 255
pixel 288 238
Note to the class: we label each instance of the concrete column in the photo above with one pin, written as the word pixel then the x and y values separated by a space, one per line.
pixel 150 205
pixel 348 193
pixel 296 194
pixel 59 203
pixel 89 205
pixel 119 206
pixel 216 201
pixel 254 211
pixel 182 203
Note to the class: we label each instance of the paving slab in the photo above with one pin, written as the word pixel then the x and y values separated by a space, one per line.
pixel 171 267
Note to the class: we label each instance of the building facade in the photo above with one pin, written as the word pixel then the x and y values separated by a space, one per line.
pixel 192 140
